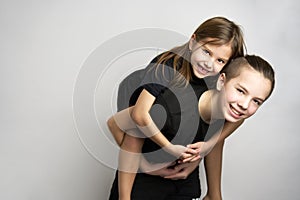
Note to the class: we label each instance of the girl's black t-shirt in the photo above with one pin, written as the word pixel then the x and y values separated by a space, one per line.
pixel 175 110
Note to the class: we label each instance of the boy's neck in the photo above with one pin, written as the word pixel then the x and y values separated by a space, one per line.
pixel 207 105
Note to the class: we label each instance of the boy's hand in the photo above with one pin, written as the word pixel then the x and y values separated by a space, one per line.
pixel 162 169
pixel 183 170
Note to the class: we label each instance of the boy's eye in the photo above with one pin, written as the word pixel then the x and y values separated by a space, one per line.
pixel 221 61
pixel 257 102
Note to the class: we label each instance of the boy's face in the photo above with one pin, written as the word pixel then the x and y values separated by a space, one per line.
pixel 244 94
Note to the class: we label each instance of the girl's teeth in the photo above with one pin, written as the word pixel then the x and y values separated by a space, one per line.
pixel 203 70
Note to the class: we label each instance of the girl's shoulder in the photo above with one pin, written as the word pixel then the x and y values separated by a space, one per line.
pixel 167 62
pixel 160 70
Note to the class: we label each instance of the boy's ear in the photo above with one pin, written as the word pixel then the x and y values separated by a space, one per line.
pixel 221 81
pixel 191 42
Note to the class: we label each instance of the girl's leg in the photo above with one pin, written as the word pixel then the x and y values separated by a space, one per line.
pixel 120 123
pixel 129 161
pixel 116 132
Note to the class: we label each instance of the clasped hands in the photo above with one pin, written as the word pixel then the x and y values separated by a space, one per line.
pixel 189 153
pixel 188 159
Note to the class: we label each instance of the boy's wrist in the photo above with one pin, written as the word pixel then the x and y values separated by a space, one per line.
pixel 213 196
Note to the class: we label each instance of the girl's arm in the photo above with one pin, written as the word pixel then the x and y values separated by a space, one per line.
pixel 136 117
pixel 140 115
pixel 213 163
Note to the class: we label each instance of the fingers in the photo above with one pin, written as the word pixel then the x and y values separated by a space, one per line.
pixel 196 146
pixel 186 155
pixel 160 166
pixel 191 150
pixel 171 173
pixel 195 158
pixel 189 153
pixel 193 146
pixel 191 159
pixel 175 176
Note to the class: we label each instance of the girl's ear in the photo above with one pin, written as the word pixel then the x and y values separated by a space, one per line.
pixel 191 42
pixel 221 81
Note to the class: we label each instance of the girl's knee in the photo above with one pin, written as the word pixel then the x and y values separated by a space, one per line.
pixel 132 144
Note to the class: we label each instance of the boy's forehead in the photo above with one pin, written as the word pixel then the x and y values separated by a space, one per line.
pixel 254 82
pixel 242 66
pixel 246 72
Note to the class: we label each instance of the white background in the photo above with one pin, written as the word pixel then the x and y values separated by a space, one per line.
pixel 43 46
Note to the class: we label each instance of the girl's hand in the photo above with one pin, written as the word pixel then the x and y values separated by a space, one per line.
pixel 186 157
pixel 197 147
pixel 192 152
pixel 175 150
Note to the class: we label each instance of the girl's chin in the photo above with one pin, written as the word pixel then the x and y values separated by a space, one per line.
pixel 198 74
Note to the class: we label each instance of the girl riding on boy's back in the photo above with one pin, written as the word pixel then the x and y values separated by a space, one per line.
pixel 212 45
pixel 220 40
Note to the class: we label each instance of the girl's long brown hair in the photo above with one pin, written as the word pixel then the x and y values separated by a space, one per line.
pixel 217 31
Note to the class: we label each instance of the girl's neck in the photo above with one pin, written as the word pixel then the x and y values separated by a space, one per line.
pixel 208 106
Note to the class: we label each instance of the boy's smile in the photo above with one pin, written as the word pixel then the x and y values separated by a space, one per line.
pixel 244 94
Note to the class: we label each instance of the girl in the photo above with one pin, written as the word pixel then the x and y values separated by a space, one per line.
pixel 212 45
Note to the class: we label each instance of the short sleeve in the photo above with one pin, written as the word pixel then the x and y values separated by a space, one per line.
pixel 157 77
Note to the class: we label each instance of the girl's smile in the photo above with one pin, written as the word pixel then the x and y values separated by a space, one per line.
pixel 201 70
pixel 208 59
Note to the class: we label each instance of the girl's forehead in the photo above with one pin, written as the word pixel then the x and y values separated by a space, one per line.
pixel 212 40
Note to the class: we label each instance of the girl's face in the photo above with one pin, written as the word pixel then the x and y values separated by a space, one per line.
pixel 243 95
pixel 208 59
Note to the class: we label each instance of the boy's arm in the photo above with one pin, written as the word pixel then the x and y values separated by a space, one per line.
pixel 213 169
pixel 213 163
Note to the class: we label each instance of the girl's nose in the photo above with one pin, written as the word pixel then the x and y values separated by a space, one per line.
pixel 209 63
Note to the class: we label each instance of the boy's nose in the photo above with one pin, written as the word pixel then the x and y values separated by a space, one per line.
pixel 244 104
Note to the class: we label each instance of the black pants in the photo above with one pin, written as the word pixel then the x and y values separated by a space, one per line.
pixel 147 187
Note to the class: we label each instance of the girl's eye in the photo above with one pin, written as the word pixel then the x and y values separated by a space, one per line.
pixel 240 91
pixel 206 51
